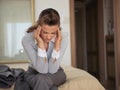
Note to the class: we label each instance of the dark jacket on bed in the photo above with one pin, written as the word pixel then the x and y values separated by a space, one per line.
pixel 8 76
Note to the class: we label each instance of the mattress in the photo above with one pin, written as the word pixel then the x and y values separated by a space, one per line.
pixel 77 79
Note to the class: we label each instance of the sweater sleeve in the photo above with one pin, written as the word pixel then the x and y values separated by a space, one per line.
pixel 54 62
pixel 39 60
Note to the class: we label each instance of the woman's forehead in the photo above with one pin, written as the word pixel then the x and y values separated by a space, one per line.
pixel 49 28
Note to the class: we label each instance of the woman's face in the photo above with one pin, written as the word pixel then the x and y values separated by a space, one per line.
pixel 48 32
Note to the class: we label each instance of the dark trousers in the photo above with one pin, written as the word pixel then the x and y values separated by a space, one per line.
pixel 38 81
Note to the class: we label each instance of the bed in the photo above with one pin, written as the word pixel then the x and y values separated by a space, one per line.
pixel 77 79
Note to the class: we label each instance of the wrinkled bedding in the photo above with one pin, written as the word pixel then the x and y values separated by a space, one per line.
pixel 77 79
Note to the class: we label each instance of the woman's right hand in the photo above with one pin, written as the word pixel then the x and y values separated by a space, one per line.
pixel 39 40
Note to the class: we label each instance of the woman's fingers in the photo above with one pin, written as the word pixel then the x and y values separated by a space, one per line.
pixel 59 34
pixel 35 33
pixel 39 30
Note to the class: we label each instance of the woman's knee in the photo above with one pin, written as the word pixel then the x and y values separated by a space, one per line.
pixel 44 79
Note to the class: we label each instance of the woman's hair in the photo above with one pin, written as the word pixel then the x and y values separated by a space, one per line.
pixel 49 17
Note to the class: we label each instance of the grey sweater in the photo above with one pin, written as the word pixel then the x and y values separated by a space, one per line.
pixel 36 61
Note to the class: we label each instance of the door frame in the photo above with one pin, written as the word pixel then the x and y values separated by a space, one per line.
pixel 117 41
pixel 73 33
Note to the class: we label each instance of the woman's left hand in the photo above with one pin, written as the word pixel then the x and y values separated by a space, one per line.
pixel 58 40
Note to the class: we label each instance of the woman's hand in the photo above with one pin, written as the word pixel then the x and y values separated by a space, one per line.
pixel 58 40
pixel 39 40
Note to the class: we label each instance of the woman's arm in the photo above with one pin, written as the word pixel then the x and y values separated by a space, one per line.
pixel 54 62
pixel 33 52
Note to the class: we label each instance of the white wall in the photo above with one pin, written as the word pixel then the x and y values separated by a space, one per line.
pixel 62 6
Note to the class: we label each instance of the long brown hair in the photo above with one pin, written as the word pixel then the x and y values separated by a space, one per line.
pixel 48 16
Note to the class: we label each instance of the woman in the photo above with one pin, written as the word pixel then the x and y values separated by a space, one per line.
pixel 45 45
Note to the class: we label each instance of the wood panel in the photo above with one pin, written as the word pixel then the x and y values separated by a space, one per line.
pixel 101 43
pixel 72 32
pixel 117 40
